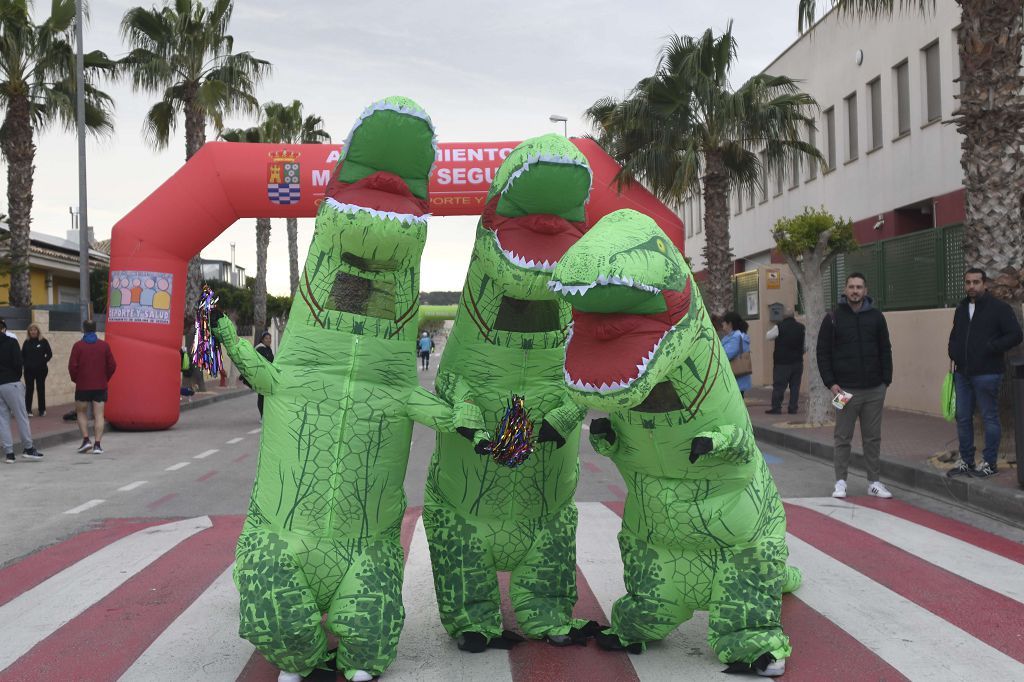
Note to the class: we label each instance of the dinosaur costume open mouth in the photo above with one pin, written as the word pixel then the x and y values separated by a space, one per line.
pixel 609 350
pixel 534 242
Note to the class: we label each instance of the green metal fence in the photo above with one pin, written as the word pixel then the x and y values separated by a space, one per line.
pixel 913 272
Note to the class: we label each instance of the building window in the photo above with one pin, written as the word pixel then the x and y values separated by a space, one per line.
pixel 875 99
pixel 932 84
pixel 739 200
pixel 780 178
pixel 688 217
pixel 750 196
pixel 901 77
pixel 764 177
pixel 829 118
pixel 851 127
pixel 812 139
pixel 794 177
pixel 698 214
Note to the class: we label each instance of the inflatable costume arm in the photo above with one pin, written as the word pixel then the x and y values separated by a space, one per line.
pixel 731 443
pixel 260 374
pixel 428 409
pixel 603 438
pixel 563 419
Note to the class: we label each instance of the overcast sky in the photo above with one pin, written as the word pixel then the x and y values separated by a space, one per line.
pixel 483 70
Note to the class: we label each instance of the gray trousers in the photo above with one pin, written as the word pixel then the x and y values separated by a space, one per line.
pixel 12 403
pixel 866 404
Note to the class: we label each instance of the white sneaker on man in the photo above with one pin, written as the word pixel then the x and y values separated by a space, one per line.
pixel 876 489
pixel 840 489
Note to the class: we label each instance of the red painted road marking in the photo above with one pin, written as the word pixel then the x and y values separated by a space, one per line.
pixel 162 501
pixel 412 514
pixel 104 640
pixel 207 476
pixel 258 670
pixel 240 457
pixel 617 491
pixel 991 617
pixel 37 567
pixel 592 468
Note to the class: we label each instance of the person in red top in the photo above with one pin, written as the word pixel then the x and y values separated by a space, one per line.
pixel 91 366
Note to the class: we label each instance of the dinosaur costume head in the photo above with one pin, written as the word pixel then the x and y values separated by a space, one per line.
pixel 635 311
pixel 372 225
pixel 534 212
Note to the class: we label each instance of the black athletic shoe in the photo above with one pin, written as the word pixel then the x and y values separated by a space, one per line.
pixel 984 470
pixel 961 469
pixel 773 411
pixel 9 458
pixel 32 453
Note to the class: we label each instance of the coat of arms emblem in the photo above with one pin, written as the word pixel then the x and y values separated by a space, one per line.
pixel 283 186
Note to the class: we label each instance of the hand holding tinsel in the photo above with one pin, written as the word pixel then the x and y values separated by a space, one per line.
pixel 513 440
pixel 206 352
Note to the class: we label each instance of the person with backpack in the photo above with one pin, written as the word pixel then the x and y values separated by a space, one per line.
pixel 736 342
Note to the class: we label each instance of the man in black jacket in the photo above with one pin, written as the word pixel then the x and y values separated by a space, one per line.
pixel 983 329
pixel 855 356
pixel 12 399
pixel 788 363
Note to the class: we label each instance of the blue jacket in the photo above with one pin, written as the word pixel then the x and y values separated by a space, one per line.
pixel 735 343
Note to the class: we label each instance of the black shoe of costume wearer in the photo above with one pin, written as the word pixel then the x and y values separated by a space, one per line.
pixel 774 410
pixel 578 636
pixel 740 668
pixel 475 642
pixel 610 642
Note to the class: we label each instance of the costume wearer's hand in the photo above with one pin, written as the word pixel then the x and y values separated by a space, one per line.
pixel 549 434
pixel 215 316
pixel 477 437
pixel 602 426
pixel 701 445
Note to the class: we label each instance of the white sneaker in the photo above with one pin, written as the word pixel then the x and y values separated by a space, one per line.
pixel 840 491
pixel 773 669
pixel 289 677
pixel 876 489
pixel 361 676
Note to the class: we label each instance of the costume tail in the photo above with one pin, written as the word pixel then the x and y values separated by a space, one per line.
pixel 793 579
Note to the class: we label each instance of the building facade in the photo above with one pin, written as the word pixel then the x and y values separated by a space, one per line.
pixel 223 271
pixel 53 268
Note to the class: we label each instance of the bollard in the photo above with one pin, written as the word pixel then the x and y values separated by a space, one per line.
pixel 1017 377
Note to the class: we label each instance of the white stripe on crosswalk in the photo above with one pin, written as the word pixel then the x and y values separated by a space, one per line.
pixel 85 506
pixel 255 431
pixel 425 651
pixel 204 455
pixel 131 486
pixel 175 467
pixel 601 564
pixel 37 613
pixel 201 644
pixel 997 573
pixel 913 640
pixel 239 439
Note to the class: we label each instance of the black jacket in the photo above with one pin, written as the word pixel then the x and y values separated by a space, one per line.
pixel 789 344
pixel 265 352
pixel 854 351
pixel 35 353
pixel 10 360
pixel 976 345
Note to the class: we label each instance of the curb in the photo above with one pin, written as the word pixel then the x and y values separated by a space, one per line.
pixel 1003 502
pixel 72 434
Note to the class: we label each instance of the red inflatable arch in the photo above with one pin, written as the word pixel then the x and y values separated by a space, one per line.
pixel 225 182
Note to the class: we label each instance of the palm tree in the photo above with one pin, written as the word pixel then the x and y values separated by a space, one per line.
pixel 990 119
pixel 685 127
pixel 183 52
pixel 37 89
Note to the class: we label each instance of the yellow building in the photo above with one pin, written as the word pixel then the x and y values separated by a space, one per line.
pixel 53 269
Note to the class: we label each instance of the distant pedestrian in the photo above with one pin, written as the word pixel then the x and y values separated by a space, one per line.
pixel 425 345
pixel 12 399
pixel 263 348
pixel 736 343
pixel 91 365
pixel 983 329
pixel 35 353
pixel 787 362
pixel 855 357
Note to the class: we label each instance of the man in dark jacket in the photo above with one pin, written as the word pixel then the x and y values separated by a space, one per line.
pixel 983 329
pixel 855 357
pixel 788 363
pixel 263 348
pixel 91 365
pixel 12 399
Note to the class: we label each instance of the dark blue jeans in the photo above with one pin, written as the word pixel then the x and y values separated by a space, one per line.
pixel 981 390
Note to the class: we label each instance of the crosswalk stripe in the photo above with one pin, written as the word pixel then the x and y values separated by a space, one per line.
pixel 911 639
pixel 85 506
pixel 175 467
pixel 425 651
pixel 965 560
pixel 201 644
pixel 254 431
pixel 37 613
pixel 602 566
pixel 131 486
pixel 205 454
pixel 239 439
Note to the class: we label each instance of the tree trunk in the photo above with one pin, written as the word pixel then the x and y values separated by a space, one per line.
pixel 293 253
pixel 717 290
pixel 259 294
pixel 991 119
pixel 19 152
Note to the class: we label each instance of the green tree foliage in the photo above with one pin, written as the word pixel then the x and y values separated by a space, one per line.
pixel 801 234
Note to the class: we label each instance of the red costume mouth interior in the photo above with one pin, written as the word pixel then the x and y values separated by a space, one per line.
pixel 534 238
pixel 612 349
pixel 380 191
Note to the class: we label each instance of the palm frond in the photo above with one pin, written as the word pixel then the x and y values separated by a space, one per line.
pixel 806 10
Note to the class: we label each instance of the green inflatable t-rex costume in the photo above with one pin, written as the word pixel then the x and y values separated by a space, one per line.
pixel 323 530
pixel 703 527
pixel 480 516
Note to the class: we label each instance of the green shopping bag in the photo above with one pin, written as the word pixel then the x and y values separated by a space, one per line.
pixel 949 397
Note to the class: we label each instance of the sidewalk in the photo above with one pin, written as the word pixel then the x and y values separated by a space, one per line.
pixel 51 429
pixel 911 445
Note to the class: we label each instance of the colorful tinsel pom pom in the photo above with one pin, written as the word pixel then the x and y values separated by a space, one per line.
pixel 513 441
pixel 206 353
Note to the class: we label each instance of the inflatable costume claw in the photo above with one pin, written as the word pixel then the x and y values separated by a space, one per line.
pixel 322 531
pixel 703 527
pixel 481 517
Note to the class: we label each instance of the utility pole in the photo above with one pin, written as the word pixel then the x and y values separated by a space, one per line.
pixel 83 210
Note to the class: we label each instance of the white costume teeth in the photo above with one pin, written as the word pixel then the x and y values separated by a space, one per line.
pixel 601 281
pixel 404 218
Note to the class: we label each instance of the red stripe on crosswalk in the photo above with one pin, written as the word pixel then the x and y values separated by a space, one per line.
pixel 258 669
pixel 44 564
pixel 989 616
pixel 956 529
pixel 207 476
pixel 161 501
pixel 823 651
pixel 102 642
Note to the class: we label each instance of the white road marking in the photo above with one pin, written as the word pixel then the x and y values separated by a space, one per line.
pixel 999 574
pixel 235 440
pixel 255 430
pixel 87 505
pixel 425 651
pixel 37 613
pixel 204 455
pixel 201 644
pixel 913 640
pixel 131 486
pixel 175 467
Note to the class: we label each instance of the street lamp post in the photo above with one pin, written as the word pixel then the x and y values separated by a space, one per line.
pixel 83 210
pixel 555 118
